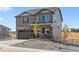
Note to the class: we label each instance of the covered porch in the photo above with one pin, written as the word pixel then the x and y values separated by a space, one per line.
pixel 41 31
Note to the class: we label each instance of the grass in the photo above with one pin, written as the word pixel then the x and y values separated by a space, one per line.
pixel 73 37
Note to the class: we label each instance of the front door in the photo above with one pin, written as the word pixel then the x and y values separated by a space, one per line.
pixel 43 30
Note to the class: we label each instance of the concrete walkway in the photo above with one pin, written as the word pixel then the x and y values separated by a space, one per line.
pixel 5 46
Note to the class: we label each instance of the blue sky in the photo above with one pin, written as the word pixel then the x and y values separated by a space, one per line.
pixel 7 16
pixel 70 16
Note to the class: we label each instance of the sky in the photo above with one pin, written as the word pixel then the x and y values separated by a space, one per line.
pixel 7 16
pixel 70 16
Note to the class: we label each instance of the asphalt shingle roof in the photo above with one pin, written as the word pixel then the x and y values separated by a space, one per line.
pixel 2 26
pixel 32 12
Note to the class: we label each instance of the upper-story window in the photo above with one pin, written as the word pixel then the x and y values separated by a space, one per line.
pixel 44 18
pixel 25 20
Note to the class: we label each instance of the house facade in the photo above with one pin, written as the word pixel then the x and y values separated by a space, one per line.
pixel 4 32
pixel 44 23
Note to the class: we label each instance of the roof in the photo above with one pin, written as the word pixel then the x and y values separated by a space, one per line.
pixel 2 26
pixel 33 12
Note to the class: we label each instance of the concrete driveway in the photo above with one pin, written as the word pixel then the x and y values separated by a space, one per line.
pixel 5 46
pixel 10 42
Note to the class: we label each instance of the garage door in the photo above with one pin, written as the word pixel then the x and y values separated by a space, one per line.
pixel 24 34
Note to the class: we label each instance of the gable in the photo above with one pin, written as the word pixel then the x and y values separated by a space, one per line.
pixel 24 14
pixel 44 11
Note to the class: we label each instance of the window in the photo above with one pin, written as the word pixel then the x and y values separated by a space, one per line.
pixel 25 20
pixel 44 18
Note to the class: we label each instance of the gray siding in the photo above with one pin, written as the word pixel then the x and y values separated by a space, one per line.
pixel 57 26
pixel 19 20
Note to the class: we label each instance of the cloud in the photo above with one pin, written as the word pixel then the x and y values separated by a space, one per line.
pixel 1 18
pixel 5 8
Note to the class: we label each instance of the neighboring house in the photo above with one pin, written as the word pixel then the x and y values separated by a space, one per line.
pixel 44 23
pixel 4 32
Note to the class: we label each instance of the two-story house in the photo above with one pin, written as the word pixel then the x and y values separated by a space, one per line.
pixel 44 23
